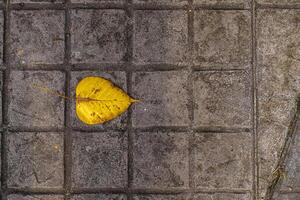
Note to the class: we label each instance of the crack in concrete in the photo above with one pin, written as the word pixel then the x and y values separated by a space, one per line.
pixel 279 172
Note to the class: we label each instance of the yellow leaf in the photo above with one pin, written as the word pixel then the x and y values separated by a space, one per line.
pixel 98 100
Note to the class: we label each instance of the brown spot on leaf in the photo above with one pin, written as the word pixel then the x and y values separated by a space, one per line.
pixel 96 91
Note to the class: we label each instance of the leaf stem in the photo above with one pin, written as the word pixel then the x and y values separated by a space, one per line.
pixel 56 93
pixel 50 91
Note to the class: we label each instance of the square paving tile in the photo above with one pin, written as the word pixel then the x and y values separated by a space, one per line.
pixel 223 160
pixel 160 37
pixel 278 59
pixel 118 78
pixel 98 36
pixel 222 38
pixel 33 99
pixel 99 197
pixel 35 160
pixel 34 197
pixel 224 3
pixel 99 160
pixel 160 160
pixel 222 99
pixel 164 99
pixel 36 37
pixel 278 74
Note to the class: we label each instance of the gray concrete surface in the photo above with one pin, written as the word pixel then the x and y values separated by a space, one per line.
pixel 217 80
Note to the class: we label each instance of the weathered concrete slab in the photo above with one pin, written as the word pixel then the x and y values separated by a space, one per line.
pixel 99 160
pixel 35 160
pixel 164 99
pixel 278 83
pixel 98 36
pixel 222 99
pixel 223 160
pixel 161 160
pixel 222 38
pixel 33 106
pixel 37 37
pixel 160 37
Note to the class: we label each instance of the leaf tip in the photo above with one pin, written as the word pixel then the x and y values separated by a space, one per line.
pixel 134 100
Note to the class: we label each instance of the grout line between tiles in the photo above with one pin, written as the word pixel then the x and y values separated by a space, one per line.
pixel 111 5
pixel 139 129
pixel 136 191
pixel 5 100
pixel 255 166
pixel 129 67
pixel 130 135
pixel 68 130
pixel 190 15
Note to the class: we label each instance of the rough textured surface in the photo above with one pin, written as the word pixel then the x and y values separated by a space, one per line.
pixel 278 76
pixel 279 2
pixel 98 1
pixel 223 160
pixel 164 99
pixel 1 94
pixel 292 181
pixel 98 36
pixel 162 197
pixel 223 196
pixel 99 160
pixel 37 37
pixel 98 197
pixel 0 157
pixel 222 38
pixel 160 160
pixel 160 37
pixel 195 197
pixel 33 106
pixel 224 3
pixel 37 1
pixel 1 36
pixel 222 99
pixel 118 78
pixel 291 196
pixel 216 80
pixel 35 197
pixel 35 160
pixel 159 2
